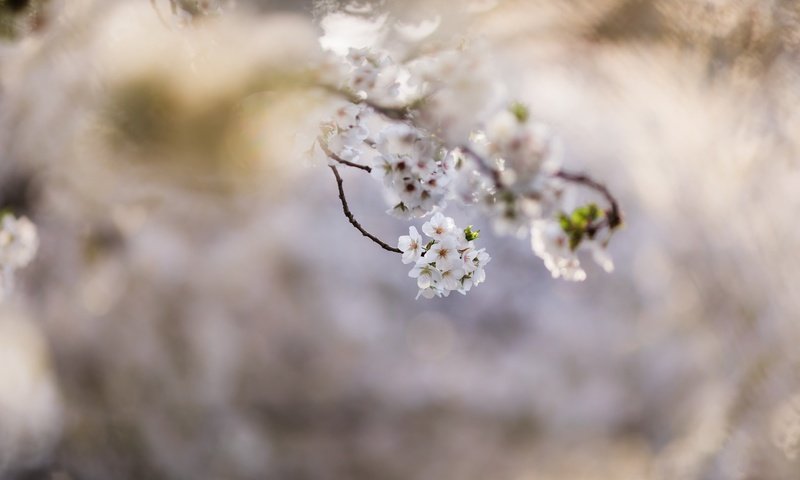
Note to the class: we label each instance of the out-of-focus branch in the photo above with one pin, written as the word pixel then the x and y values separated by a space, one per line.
pixel 398 113
pixel 613 215
pixel 483 165
pixel 352 219
pixel 323 145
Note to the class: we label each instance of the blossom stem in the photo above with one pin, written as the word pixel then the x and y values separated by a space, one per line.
pixel 323 145
pixel 352 219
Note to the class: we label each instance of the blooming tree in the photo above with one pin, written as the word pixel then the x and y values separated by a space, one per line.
pixel 184 258
pixel 433 126
pixel 431 130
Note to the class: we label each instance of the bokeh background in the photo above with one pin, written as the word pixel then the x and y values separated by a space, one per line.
pixel 200 309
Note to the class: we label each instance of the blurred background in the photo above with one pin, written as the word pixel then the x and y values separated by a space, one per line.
pixel 200 309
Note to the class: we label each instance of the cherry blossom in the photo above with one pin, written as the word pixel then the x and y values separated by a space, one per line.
pixel 439 128
pixel 449 261
pixel 411 245
pixel 19 242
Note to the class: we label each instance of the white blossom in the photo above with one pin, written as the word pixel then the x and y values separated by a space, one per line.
pixel 372 75
pixel 426 274
pixel 452 274
pixel 439 227
pixel 600 255
pixel 525 149
pixel 411 245
pixel 550 243
pixel 446 137
pixel 19 242
pixel 448 262
pixel 414 169
pixel 444 252
pixel 346 132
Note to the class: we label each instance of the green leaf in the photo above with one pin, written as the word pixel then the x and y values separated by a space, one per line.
pixel 577 225
pixel 520 111
pixel 575 238
pixel 566 223
pixel 471 235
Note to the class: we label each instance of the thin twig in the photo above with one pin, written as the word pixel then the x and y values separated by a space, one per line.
pixel 352 219
pixel 324 146
pixel 614 215
pixel 402 113
pixel 483 165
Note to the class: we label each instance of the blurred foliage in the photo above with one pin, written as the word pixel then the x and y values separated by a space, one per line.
pixel 743 35
pixel 152 121
pixel 19 16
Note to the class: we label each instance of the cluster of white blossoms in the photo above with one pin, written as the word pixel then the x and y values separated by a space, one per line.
pixel 372 74
pixel 526 158
pixel 553 245
pixel 416 171
pixel 18 245
pixel 346 133
pixel 430 130
pixel 410 161
pixel 448 261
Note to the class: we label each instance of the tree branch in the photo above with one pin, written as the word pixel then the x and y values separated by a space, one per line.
pixel 400 113
pixel 352 219
pixel 324 146
pixel 613 215
pixel 483 165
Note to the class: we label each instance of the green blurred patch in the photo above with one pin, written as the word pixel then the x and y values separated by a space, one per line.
pixel 579 224
pixel 218 136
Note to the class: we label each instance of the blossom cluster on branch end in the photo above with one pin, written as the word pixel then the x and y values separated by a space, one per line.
pixel 430 130
pixel 449 261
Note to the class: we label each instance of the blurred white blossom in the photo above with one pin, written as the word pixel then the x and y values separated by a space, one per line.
pixel 18 245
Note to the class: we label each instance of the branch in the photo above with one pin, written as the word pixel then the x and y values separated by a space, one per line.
pixel 614 215
pixel 392 113
pixel 324 146
pixel 352 219
pixel 483 165
pixel 402 113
